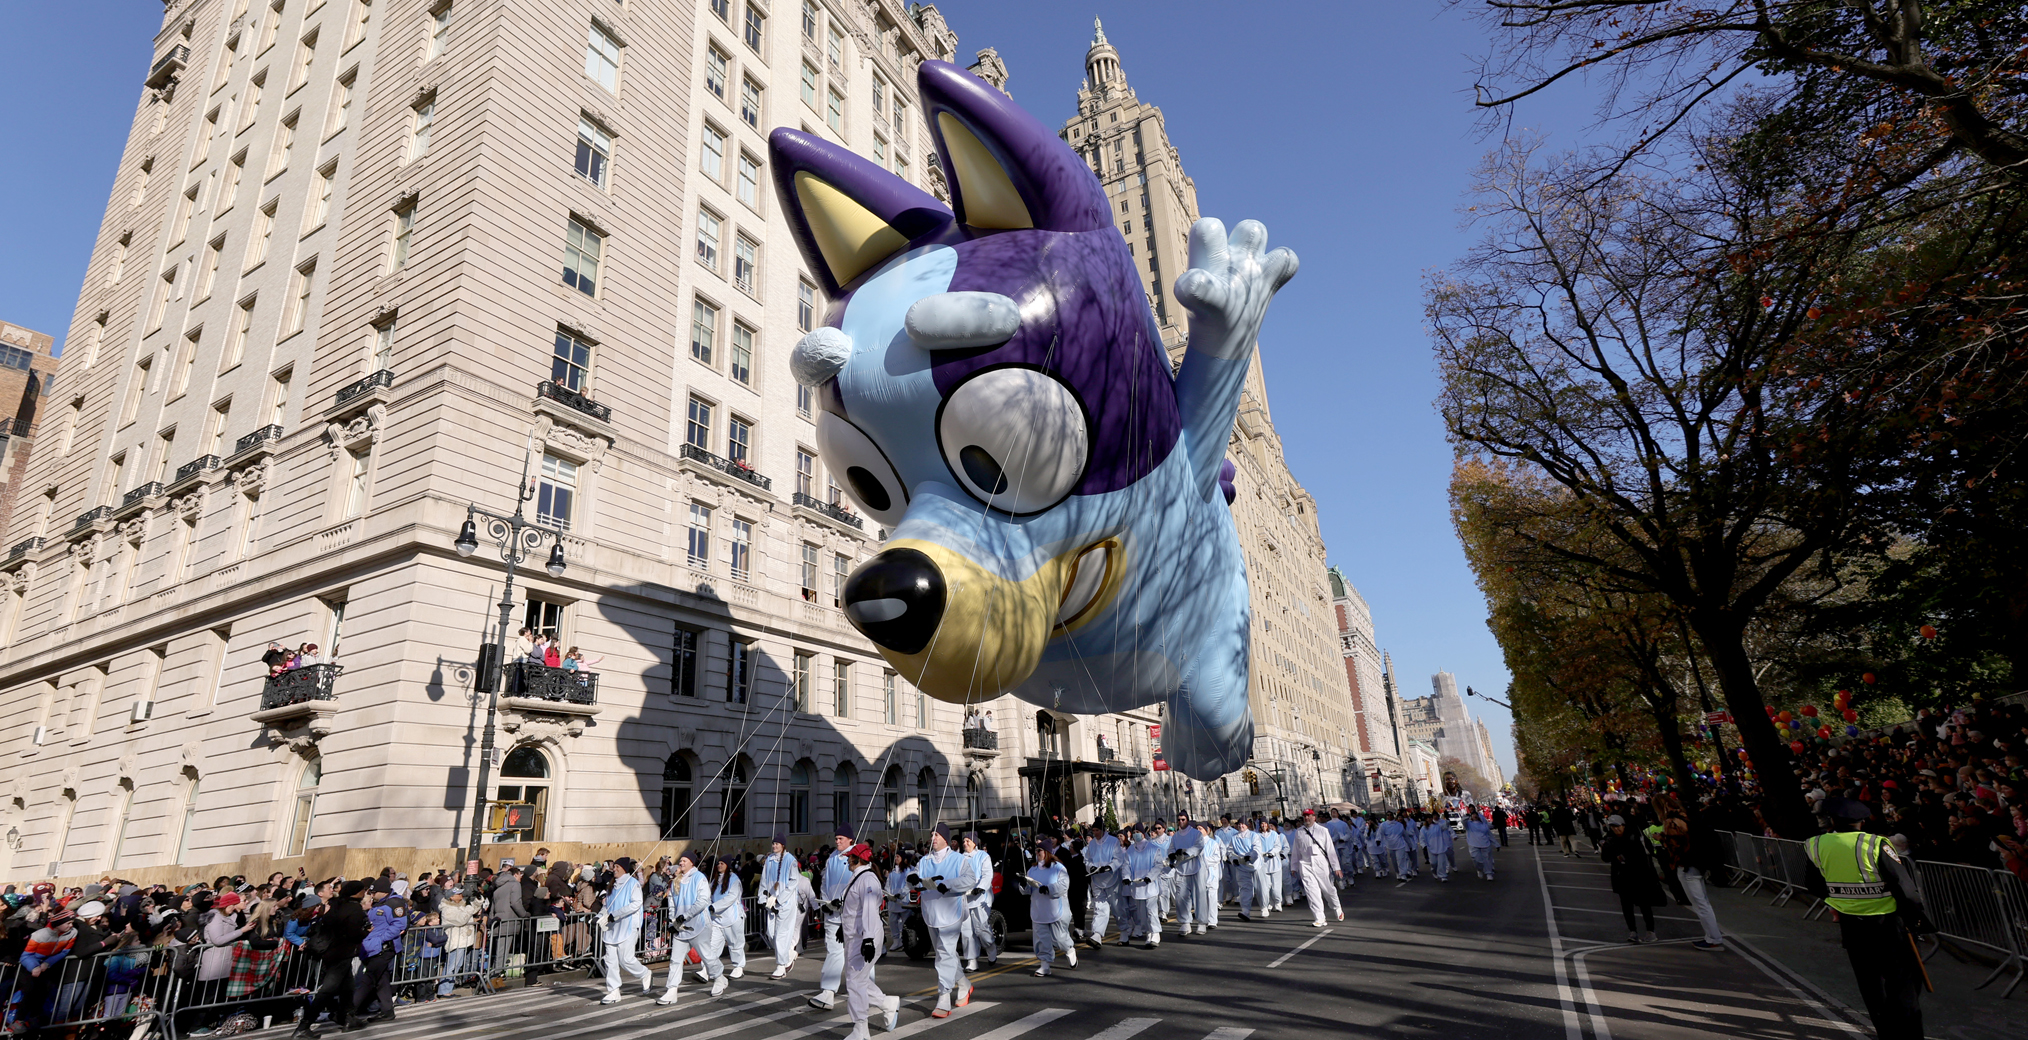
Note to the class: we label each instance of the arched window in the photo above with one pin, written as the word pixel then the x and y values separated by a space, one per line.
pixel 188 823
pixel 521 809
pixel 799 797
pixel 676 797
pixel 122 823
pixel 842 781
pixel 732 800
pixel 925 798
pixel 306 807
pixel 972 799
pixel 890 797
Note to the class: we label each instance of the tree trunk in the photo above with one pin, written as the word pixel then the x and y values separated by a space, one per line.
pixel 1671 729
pixel 1781 796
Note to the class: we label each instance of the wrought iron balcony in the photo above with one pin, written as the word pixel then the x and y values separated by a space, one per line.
pixel 377 381
pixel 92 516
pixel 196 466
pixel 982 739
pixel 574 399
pixel 838 513
pixel 23 548
pixel 168 65
pixel 149 490
pixel 536 682
pixel 1106 754
pixel 256 438
pixel 726 466
pixel 315 682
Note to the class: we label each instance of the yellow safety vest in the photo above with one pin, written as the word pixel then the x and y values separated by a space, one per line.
pixel 1850 863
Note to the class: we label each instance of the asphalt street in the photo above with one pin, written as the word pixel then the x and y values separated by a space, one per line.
pixel 1538 954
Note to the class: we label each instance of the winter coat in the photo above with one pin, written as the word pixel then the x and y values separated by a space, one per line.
pixel 1633 869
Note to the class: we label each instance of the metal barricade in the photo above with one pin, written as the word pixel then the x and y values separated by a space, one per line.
pixel 1762 869
pixel 69 992
pixel 2014 899
pixel 524 949
pixel 1795 872
pixel 239 976
pixel 1966 904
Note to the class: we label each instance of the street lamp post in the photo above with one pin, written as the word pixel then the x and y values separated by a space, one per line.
pixel 518 539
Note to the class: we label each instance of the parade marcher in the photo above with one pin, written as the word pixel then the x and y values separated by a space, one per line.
pixel 1047 885
pixel 1143 885
pixel 1103 861
pixel 837 872
pixel 943 877
pixel 1185 852
pixel 1394 843
pixel 1070 854
pixel 1564 822
pixel 728 919
pixel 1210 877
pixel 1274 849
pixel 859 932
pixel 1245 853
pixel 1634 877
pixel 689 926
pixel 1317 867
pixel 1379 857
pixel 1879 911
pixel 1165 899
pixel 621 914
pixel 1439 844
pixel 1480 841
pixel 977 934
pixel 1228 878
pixel 1341 838
pixel 901 898
pixel 779 882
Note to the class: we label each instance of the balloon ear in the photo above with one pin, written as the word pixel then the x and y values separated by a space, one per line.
pixel 848 215
pixel 1005 169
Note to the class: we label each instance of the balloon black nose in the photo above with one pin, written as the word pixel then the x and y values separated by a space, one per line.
pixel 896 599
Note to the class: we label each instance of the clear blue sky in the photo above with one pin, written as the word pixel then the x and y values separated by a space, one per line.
pixel 1346 126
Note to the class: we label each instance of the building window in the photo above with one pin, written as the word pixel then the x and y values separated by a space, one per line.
pixel 715 65
pixel 809 19
pixel 581 248
pixel 756 23
pixel 263 232
pixel 341 103
pixel 299 302
pixel 320 206
pixel 745 264
pixel 163 290
pixel 711 154
pixel 306 56
pixel 440 33
pixel 278 396
pixel 834 111
pixel 188 824
pixel 841 688
pixel 708 226
pixel 229 192
pixel 355 27
pixel 723 9
pixel 697 427
pixel 742 354
pixel 214 439
pixel 738 439
pixel 676 780
pixel 841 569
pixel 750 102
pixel 748 185
pixel 544 617
pixel 742 567
pixel 285 142
pixel 700 535
pixel 420 119
pixel 185 363
pixel 185 205
pixel 703 330
pixel 806 306
pixel 835 48
pixel 210 276
pixel 242 327
pixel 925 797
pixel 571 365
pixel 921 710
pixel 843 779
pixel 250 105
pixel 809 573
pixel 890 699
pixel 732 802
pixel 602 59
pixel 809 85
pixel 683 664
pixel 890 798
pixel 806 399
pixel 306 807
pixel 355 483
pixel 799 677
pixel 556 492
pixel 739 660
pixel 806 473
pixel 799 798
pixel 404 234
pixel 594 151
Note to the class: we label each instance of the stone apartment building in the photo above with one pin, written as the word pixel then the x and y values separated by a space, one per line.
pixel 1375 707
pixel 27 375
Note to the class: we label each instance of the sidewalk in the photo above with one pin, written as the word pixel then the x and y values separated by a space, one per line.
pixel 1810 949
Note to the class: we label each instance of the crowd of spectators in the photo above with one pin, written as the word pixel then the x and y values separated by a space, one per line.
pixel 281 659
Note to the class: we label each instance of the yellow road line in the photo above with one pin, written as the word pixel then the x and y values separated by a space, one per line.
pixel 979 975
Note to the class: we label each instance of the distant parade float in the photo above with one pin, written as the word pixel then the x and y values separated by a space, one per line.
pixel 992 389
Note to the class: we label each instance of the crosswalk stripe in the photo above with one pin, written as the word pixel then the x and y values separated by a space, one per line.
pixel 1229 1033
pixel 653 1011
pixel 921 1025
pixel 744 1023
pixel 1126 1029
pixel 1013 1029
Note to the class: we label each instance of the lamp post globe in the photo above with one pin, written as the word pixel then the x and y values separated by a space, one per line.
pixel 555 565
pixel 468 538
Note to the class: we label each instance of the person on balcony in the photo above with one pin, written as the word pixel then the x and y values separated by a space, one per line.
pixel 576 660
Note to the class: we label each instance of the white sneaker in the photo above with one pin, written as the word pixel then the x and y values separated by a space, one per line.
pixel 610 998
pixel 858 1032
pixel 667 999
pixel 1318 923
pixel 964 995
pixel 738 971
pixel 972 965
pixel 703 975
pixel 781 971
pixel 718 986
pixel 892 1007
pixel 943 1008
pixel 1070 956
pixel 825 1000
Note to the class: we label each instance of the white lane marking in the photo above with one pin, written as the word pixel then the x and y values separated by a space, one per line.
pixel 1125 1029
pixel 1229 1033
pixel 1013 1029
pixel 721 1030
pixel 1572 1030
pixel 1801 988
pixel 920 1025
pixel 652 1009
pixel 1278 961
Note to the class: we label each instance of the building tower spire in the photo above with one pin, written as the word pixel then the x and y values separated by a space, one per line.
pixel 1101 62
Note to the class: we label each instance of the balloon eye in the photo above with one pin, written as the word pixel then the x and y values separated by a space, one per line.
pixel 867 487
pixel 869 478
pixel 986 473
pixel 1015 438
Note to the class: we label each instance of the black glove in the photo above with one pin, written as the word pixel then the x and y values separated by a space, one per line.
pixel 1920 924
pixel 915 880
pixel 1101 869
pixel 976 893
pixel 866 950
pixel 941 887
pixel 679 921
pixel 840 932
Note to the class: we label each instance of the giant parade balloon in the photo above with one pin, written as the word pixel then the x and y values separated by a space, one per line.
pixel 992 389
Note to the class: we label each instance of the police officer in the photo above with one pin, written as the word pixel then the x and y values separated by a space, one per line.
pixel 1878 907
